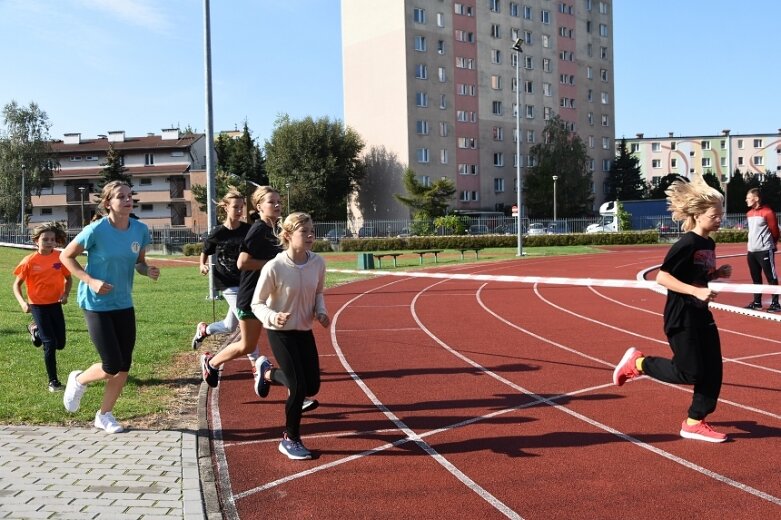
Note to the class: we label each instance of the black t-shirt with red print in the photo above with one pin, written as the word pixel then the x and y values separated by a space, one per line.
pixel 692 260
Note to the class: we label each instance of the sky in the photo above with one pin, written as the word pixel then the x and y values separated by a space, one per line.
pixel 690 67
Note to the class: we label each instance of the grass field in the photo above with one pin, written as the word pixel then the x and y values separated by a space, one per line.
pixel 166 313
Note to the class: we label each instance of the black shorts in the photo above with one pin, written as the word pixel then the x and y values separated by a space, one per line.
pixel 114 335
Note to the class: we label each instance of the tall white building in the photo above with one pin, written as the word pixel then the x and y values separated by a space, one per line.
pixel 431 84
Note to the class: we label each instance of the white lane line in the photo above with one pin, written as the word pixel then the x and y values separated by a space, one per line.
pixel 223 476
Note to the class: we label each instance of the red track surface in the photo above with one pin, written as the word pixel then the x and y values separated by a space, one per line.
pixel 462 399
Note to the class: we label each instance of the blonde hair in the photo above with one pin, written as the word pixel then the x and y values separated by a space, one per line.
pixel 293 221
pixel 105 196
pixel 259 193
pixel 233 193
pixel 60 236
pixel 686 200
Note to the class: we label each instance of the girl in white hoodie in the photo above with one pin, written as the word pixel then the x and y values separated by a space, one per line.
pixel 287 300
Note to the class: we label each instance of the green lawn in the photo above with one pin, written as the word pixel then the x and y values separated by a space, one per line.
pixel 166 313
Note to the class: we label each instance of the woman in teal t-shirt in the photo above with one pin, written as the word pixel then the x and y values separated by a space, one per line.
pixel 115 247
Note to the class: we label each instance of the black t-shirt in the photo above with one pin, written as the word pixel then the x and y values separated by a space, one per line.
pixel 261 244
pixel 224 245
pixel 692 260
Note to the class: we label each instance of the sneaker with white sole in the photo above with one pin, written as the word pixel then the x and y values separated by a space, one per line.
pixel 309 405
pixel 55 386
pixel 774 307
pixel 107 422
pixel 73 392
pixel 294 449
pixel 262 365
pixel 701 431
pixel 35 338
pixel 200 335
pixel 627 368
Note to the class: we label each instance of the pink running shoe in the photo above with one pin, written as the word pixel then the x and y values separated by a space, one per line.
pixel 701 432
pixel 626 369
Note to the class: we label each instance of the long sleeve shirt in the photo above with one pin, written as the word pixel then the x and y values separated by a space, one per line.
pixel 762 229
pixel 285 286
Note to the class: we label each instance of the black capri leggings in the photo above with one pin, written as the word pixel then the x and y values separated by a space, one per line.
pixel 299 371
pixel 114 335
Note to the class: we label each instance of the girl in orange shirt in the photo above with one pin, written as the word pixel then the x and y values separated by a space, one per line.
pixel 48 285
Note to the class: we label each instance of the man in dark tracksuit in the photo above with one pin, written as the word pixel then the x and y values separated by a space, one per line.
pixel 762 240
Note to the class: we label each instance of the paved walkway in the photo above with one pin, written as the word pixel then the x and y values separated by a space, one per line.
pixel 78 473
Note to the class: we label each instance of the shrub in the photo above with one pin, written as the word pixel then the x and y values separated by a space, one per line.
pixel 731 235
pixel 192 249
pixel 321 246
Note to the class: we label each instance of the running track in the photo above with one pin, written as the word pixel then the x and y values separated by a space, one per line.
pixel 463 399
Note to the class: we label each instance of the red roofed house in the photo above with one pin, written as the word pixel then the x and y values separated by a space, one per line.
pixel 162 168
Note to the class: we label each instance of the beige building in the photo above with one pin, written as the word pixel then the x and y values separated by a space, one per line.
pixel 431 84
pixel 721 155
pixel 162 168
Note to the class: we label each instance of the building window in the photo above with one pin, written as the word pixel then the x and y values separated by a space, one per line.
pixel 462 9
pixel 529 111
pixel 606 165
pixel 602 8
pixel 740 161
pixel 498 133
pixel 493 5
pixel 656 147
pixel 46 211
pixel 421 99
pixel 546 65
pixel 147 207
pixel 603 74
pixel 656 163
pixel 758 160
pixel 603 30
pixel 496 108
pixel 706 162
pixel 496 56
pixel 440 19
pixel 527 12
pixel 527 38
pixel 419 15
pixel 467 169
pixel 603 53
pixel 442 74
pixel 673 163
pixel 496 82
pixel 757 143
pixel 605 98
pixel 498 185
pixel 443 156
pixel 606 143
pixel 545 16
pixel 420 43
pixel 605 120
pixel 440 46
pixel 513 9
pixel 496 30
pixel 498 159
pixel 149 159
pixel 705 145
pixel 467 142
pixel 421 127
pixel 591 141
pixel 528 87
pixel 442 101
pixel 422 155
pixel 530 136
pixel 443 128
pixel 145 181
pixel 421 71
pixel 547 113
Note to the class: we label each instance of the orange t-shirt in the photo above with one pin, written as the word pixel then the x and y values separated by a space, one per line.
pixel 44 276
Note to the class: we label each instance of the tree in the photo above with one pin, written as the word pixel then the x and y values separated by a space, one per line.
pixel 736 193
pixel 712 181
pixel 240 164
pixel 658 191
pixel 561 153
pixel 113 170
pixel 320 161
pixel 624 180
pixel 25 150
pixel 431 201
pixel 771 190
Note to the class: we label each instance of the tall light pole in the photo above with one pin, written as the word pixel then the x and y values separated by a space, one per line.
pixel 729 169
pixel 518 48
pixel 555 178
pixel 21 220
pixel 287 187
pixel 81 189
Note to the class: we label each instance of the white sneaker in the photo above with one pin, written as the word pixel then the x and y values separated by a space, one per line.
pixel 73 392
pixel 107 422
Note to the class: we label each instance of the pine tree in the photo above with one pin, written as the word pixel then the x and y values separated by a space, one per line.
pixel 624 181
pixel 113 170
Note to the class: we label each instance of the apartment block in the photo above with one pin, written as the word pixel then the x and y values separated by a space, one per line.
pixel 431 84
pixel 721 155
pixel 162 168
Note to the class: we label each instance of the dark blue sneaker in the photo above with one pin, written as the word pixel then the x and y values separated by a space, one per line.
pixel 294 449
pixel 309 405
pixel 262 365
pixel 754 306
pixel 774 307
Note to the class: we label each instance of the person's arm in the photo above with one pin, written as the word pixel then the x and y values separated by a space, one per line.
pixel 204 264
pixel 145 269
pixel 671 283
pixel 246 262
pixel 772 224
pixel 67 290
pixel 17 287
pixel 68 259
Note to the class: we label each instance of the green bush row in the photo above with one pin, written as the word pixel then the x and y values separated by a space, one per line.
pixel 320 246
pixel 731 235
pixel 467 241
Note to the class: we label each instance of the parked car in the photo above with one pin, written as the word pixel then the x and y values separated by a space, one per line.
pixel 366 231
pixel 557 226
pixel 537 228
pixel 335 235
pixel 478 229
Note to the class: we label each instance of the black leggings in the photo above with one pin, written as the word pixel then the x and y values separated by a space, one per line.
pixel 51 330
pixel 696 361
pixel 114 335
pixel 759 262
pixel 299 371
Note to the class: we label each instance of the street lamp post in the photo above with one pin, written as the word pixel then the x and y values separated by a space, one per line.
pixel 21 220
pixel 287 187
pixel 518 48
pixel 81 189
pixel 555 178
